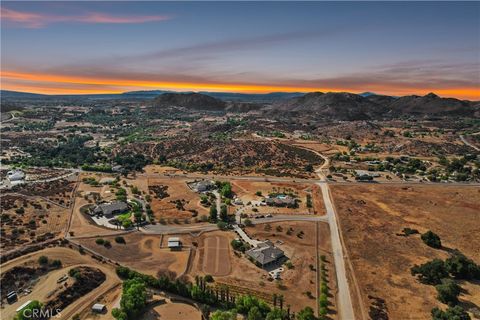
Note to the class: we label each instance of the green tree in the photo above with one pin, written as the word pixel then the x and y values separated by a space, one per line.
pixel 448 292
pixel 213 213
pixel 134 297
pixel 462 267
pixel 452 313
pixel 431 272
pixel 246 302
pixel 119 314
pixel 276 314
pixel 323 300
pixel 254 314
pixel 431 239
pixel 223 213
pixel 306 314
pixel 226 190
pixel 223 315
pixel 27 312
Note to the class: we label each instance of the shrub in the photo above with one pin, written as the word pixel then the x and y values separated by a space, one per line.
pixel 100 241
pixel 107 244
pixel 409 231
pixel 209 278
pixel 120 240
pixel 56 263
pixel 431 239
pixel 222 225
pixel 43 260
pixel 248 222
pixel 289 264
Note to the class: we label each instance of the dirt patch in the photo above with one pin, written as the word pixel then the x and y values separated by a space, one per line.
pixel 216 260
pixel 179 203
pixel 371 216
pixel 28 220
pixel 142 253
pixel 173 311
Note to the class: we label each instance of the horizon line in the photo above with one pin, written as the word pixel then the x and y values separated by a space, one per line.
pixel 232 92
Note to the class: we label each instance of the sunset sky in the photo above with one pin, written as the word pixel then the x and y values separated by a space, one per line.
pixel 104 47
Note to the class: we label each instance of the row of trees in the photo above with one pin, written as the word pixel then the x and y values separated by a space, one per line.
pixel 134 299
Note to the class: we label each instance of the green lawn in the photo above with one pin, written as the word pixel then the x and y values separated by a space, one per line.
pixel 124 216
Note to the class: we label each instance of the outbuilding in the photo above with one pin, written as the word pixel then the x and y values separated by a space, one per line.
pixel 174 243
pixel 98 308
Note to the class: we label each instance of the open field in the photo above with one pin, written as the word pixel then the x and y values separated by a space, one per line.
pixel 180 201
pixel 143 253
pixel 29 219
pixel 370 218
pixel 46 286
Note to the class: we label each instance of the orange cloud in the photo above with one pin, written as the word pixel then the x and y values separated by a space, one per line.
pixel 64 84
pixel 38 20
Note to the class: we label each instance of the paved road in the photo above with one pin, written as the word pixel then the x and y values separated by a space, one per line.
pixel 462 137
pixel 345 306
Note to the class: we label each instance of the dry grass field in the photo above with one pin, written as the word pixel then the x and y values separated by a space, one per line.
pixel 143 253
pixel 178 192
pixel 372 215
pixel 29 219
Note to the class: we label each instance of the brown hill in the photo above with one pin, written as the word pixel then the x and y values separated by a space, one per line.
pixel 349 106
pixel 430 104
pixel 332 105
pixel 193 101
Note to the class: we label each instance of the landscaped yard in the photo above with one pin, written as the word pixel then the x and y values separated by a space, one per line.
pixel 124 216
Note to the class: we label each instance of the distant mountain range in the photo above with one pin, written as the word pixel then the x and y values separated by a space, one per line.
pixel 151 94
pixel 331 105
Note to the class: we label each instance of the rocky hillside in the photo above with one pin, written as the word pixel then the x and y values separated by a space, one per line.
pixel 430 104
pixel 333 105
pixel 349 106
pixel 191 101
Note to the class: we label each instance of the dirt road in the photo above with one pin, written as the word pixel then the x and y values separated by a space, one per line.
pixel 345 306
pixel 462 137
